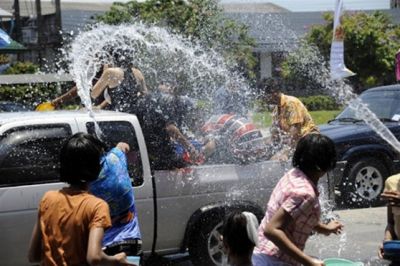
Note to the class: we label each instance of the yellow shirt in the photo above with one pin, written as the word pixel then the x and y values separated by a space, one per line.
pixel 292 112
pixel 392 183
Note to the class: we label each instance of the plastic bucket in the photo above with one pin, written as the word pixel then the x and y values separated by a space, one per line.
pixel 391 250
pixel 341 262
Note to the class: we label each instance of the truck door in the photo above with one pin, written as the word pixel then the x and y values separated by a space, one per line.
pixel 29 163
pixel 113 132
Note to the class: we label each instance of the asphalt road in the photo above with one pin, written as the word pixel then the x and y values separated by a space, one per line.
pixel 362 235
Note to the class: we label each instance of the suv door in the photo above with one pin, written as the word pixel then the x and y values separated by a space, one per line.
pixel 29 163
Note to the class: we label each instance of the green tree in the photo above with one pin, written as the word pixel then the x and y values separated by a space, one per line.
pixel 371 42
pixel 200 20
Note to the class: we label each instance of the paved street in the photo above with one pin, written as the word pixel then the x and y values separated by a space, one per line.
pixel 359 242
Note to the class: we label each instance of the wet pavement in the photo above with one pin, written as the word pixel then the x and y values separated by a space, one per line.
pixel 359 242
pixel 362 235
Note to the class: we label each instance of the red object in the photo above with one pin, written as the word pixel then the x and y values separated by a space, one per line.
pixel 186 157
pixel 216 122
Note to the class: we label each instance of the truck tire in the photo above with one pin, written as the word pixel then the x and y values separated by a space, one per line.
pixel 364 181
pixel 205 245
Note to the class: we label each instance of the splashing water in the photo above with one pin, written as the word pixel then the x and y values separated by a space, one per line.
pixel 312 66
pixel 160 55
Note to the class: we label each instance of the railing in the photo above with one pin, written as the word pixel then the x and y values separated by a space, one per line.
pixel 34 78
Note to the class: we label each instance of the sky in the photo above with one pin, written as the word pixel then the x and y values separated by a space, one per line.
pixel 320 5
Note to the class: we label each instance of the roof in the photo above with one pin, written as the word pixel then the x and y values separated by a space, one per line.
pixel 249 7
pixel 5 14
pixel 272 31
pixel 274 28
pixel 34 78
pixel 281 31
pixel 28 7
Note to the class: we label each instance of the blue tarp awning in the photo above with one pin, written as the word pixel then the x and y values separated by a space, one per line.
pixel 8 45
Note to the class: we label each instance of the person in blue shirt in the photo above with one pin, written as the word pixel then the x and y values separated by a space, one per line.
pixel 115 187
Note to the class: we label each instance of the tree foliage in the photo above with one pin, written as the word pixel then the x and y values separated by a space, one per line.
pixel 371 42
pixel 200 20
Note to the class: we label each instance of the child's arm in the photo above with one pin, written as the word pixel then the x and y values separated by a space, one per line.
pixel 327 229
pixel 275 231
pixel 389 231
pixel 95 255
pixel 35 246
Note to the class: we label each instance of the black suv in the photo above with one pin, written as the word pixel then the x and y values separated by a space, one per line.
pixel 365 160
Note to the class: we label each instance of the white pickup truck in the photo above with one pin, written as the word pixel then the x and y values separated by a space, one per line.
pixel 179 210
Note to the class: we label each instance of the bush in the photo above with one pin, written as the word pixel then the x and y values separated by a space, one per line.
pixel 22 68
pixel 30 95
pixel 319 102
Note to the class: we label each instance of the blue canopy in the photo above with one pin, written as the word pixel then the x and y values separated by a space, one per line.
pixel 8 45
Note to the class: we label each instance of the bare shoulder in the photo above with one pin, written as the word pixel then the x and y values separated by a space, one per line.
pixel 137 73
pixel 114 70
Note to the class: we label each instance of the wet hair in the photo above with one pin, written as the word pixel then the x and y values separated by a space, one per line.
pixel 269 85
pixel 235 234
pixel 80 159
pixel 315 152
pixel 123 58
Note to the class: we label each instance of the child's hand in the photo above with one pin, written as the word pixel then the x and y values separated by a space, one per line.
pixel 122 260
pixel 124 147
pixel 316 262
pixel 334 227
pixel 392 197
pixel 380 251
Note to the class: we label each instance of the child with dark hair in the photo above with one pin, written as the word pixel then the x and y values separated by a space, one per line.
pixel 293 210
pixel 71 221
pixel 115 187
pixel 290 118
pixel 240 237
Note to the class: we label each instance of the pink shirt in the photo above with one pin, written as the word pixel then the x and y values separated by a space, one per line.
pixel 298 196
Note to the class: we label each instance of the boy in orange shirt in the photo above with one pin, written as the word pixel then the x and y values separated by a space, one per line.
pixel 71 221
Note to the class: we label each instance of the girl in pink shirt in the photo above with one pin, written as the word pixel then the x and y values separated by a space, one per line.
pixel 293 210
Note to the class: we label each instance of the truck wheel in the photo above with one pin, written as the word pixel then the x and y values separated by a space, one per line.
pixel 364 182
pixel 205 245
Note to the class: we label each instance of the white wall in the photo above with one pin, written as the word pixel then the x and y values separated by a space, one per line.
pixel 265 65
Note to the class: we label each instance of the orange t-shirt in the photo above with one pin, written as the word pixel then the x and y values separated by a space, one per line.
pixel 66 217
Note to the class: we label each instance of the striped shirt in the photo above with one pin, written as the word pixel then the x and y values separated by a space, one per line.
pixel 298 196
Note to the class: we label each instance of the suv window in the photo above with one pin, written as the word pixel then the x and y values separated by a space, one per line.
pixel 30 155
pixel 383 103
pixel 113 132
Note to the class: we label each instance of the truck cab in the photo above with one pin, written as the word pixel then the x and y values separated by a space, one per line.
pixel 179 210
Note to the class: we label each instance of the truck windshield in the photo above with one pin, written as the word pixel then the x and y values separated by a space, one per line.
pixel 385 104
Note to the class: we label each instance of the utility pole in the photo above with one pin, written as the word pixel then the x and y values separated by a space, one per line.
pixel 58 20
pixel 17 21
pixel 40 30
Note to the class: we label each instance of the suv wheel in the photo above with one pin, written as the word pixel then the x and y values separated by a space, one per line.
pixel 205 245
pixel 364 182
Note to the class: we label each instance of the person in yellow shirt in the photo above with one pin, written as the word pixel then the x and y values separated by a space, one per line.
pixel 290 118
